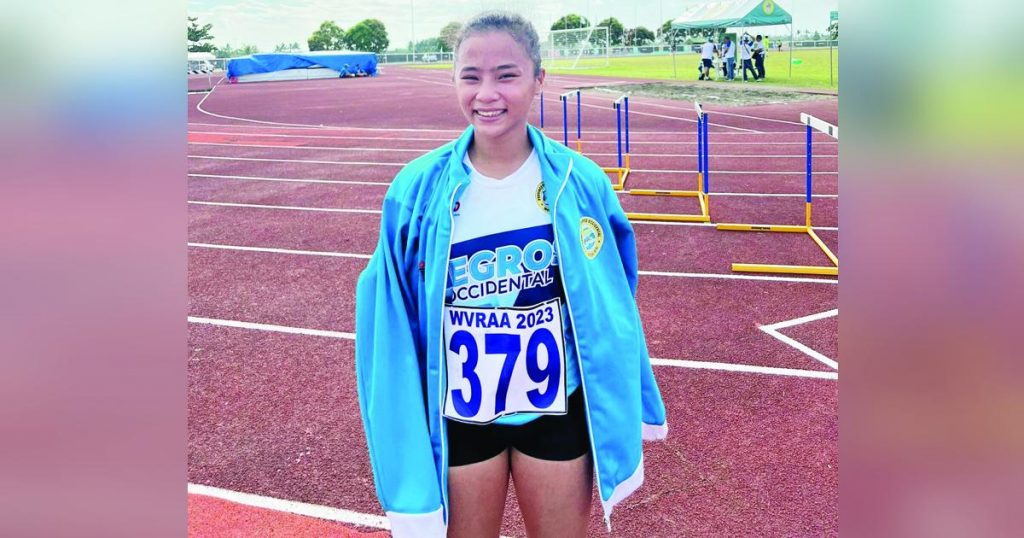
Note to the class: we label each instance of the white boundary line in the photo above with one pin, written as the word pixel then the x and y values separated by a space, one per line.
pixel 745 368
pixel 377 212
pixel 292 208
pixel 386 184
pixel 293 507
pixel 444 140
pixel 721 276
pixel 296 180
pixel 374 163
pixel 271 328
pixel 773 331
pixel 282 251
pixel 459 131
pixel 677 363
pixel 425 151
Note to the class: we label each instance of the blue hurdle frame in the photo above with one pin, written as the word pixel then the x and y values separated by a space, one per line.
pixel 703 182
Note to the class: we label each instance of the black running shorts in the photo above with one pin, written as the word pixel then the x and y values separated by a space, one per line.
pixel 706 62
pixel 549 437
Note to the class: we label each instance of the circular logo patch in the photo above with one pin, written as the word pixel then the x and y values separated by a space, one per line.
pixel 541 199
pixel 768 7
pixel 591 237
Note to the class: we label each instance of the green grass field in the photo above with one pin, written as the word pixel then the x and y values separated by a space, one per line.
pixel 810 72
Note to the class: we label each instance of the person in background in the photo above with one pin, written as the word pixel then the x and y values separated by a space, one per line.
pixel 759 53
pixel 745 56
pixel 707 55
pixel 729 56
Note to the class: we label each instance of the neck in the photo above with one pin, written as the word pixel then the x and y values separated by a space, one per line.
pixel 503 154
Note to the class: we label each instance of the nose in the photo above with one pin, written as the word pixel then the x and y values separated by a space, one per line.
pixel 488 91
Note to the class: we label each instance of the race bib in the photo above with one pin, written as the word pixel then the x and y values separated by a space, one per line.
pixel 502 361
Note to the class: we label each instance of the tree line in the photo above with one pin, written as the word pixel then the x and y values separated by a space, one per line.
pixel 368 35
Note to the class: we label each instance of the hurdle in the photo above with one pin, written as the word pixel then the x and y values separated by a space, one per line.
pixel 621 107
pixel 703 182
pixel 565 120
pixel 811 124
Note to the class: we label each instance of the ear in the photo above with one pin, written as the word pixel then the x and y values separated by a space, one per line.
pixel 540 80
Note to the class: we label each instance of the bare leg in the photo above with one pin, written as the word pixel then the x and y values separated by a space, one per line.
pixel 476 496
pixel 554 496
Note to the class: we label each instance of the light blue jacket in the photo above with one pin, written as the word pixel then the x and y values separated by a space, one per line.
pixel 400 347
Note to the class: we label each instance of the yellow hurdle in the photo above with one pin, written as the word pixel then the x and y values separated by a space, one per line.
pixel 831 270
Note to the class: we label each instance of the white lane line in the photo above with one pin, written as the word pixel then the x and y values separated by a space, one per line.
pixel 607 108
pixel 386 184
pixel 757 194
pixel 282 251
pixel 293 507
pixel 292 208
pixel 293 180
pixel 459 131
pixel 745 368
pixel 773 331
pixel 678 363
pixel 714 172
pixel 721 276
pixel 271 328
pixel 370 163
pixel 589 141
pixel 424 151
pixel 257 159
pixel 730 276
pixel 377 212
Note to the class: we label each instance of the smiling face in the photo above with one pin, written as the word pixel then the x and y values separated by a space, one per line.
pixel 495 84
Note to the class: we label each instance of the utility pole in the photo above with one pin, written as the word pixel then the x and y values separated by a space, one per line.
pixel 412 24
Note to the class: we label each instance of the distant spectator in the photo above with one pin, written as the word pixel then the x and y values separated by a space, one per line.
pixel 759 53
pixel 729 56
pixel 745 55
pixel 779 46
pixel 707 55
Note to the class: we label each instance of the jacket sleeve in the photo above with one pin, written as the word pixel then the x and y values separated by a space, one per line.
pixel 391 386
pixel 655 426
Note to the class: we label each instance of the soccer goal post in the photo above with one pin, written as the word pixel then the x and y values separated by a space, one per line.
pixel 577 48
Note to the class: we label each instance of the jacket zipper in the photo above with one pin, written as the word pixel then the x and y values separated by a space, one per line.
pixel 444 375
pixel 579 357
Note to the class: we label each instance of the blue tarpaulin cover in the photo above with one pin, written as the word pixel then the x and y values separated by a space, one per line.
pixel 346 63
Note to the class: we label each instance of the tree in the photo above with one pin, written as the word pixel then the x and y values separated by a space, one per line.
pixel 449 34
pixel 227 52
pixel 430 44
pixel 667 36
pixel 615 30
pixel 571 20
pixel 369 35
pixel 329 36
pixel 817 35
pixel 282 47
pixel 198 34
pixel 640 36
pixel 833 30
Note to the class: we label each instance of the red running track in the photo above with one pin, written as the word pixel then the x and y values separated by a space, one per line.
pixel 749 453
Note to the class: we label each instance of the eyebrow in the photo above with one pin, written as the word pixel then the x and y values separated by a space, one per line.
pixel 470 68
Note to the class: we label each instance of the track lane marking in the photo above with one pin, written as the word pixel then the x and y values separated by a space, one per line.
pixel 677 363
pixel 723 276
pixel 377 212
pixel 773 331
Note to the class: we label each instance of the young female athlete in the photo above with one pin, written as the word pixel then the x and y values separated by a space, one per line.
pixel 497 334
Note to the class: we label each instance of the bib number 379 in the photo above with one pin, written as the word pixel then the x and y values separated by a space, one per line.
pixel 502 361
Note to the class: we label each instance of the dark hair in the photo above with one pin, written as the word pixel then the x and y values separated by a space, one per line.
pixel 520 29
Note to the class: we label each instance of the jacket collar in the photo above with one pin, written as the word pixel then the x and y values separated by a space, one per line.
pixel 554 159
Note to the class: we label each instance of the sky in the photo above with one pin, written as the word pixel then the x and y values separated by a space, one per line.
pixel 265 23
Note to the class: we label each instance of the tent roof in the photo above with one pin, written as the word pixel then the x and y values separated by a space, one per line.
pixel 732 14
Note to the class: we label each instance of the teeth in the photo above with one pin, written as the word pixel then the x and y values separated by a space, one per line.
pixel 489 114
